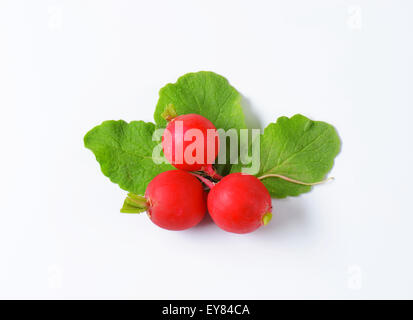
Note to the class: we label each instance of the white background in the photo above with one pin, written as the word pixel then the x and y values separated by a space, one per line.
pixel 66 66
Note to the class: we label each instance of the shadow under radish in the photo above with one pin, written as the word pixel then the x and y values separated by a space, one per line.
pixel 251 119
pixel 205 222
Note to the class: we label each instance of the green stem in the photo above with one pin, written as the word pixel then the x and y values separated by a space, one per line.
pixel 266 218
pixel 293 180
pixel 134 204
pixel 169 113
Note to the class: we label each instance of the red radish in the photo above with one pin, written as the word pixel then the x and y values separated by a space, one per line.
pixel 174 200
pixel 191 142
pixel 240 203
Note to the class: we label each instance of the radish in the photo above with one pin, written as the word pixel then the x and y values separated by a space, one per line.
pixel 239 203
pixel 191 142
pixel 174 200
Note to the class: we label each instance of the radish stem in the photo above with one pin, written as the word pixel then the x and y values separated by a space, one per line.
pixel 209 170
pixel 207 182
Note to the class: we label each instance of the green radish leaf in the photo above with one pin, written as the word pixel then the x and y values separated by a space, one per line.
pixel 297 148
pixel 208 94
pixel 205 93
pixel 124 152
